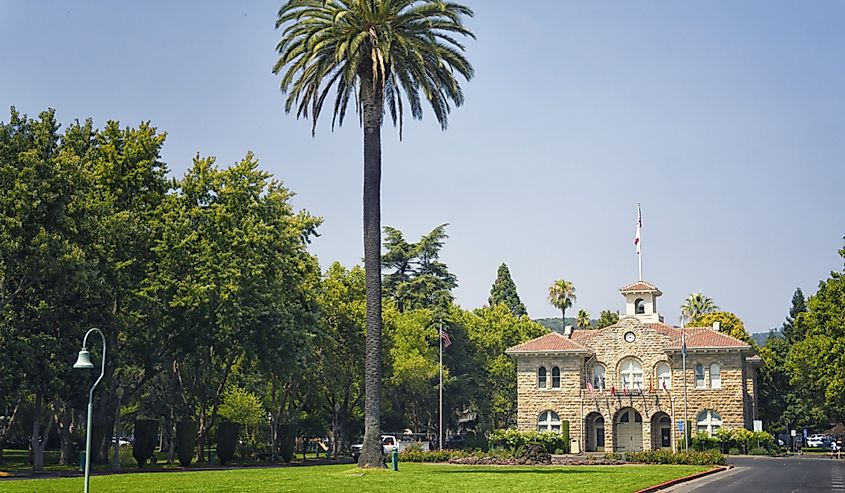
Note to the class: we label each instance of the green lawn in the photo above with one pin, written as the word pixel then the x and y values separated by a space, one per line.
pixel 345 478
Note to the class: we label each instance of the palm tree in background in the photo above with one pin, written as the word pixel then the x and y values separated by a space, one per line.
pixel 583 320
pixel 562 296
pixel 384 56
pixel 697 304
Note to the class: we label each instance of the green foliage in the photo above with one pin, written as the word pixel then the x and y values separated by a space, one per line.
pixel 562 296
pixel 758 451
pixel 515 440
pixel 186 435
pixel 799 305
pixel 504 291
pixel 729 324
pixel 417 278
pixel 696 305
pixel 703 441
pixel 228 433
pixel 697 458
pixel 244 407
pixel 607 318
pixel 583 320
pixel 414 455
pixel 287 442
pixel 145 440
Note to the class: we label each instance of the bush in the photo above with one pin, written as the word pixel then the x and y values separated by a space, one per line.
pixel 417 455
pixel 758 451
pixel 702 441
pixel 476 441
pixel 227 440
pixel 517 441
pixel 145 440
pixel 733 451
pixel 287 441
pixel 186 434
pixel 693 458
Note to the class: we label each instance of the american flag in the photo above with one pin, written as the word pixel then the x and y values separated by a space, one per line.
pixel 445 338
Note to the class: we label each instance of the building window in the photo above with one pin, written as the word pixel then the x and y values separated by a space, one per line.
pixel 555 378
pixel 639 306
pixel 708 421
pixel 631 374
pixel 598 377
pixel 549 421
pixel 664 376
pixel 715 376
pixel 699 376
pixel 541 377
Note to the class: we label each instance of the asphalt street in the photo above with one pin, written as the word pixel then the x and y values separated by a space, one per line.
pixel 773 475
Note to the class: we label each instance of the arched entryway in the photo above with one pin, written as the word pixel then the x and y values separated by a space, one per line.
pixel 628 430
pixel 595 432
pixel 661 431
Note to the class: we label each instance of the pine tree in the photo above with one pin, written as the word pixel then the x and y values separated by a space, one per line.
pixel 504 292
pixel 799 305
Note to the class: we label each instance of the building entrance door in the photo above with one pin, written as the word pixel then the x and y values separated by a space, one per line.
pixel 661 429
pixel 628 430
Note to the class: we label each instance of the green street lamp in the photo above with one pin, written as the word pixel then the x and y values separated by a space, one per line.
pixel 83 361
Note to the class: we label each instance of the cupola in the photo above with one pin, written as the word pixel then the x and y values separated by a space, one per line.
pixel 641 301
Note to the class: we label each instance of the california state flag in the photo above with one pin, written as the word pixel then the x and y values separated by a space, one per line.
pixel 639 225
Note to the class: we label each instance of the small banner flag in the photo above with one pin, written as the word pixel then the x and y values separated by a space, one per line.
pixel 650 385
pixel 613 390
pixel 639 226
pixel 590 388
pixel 664 387
pixel 445 338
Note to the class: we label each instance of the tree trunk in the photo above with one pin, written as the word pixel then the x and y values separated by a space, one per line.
pixel 7 432
pixel 372 97
pixel 64 421
pixel 38 439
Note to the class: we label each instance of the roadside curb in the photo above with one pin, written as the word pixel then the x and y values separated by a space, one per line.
pixel 667 484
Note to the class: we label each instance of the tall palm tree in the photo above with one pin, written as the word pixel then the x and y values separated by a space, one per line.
pixel 583 320
pixel 562 296
pixel 386 55
pixel 697 304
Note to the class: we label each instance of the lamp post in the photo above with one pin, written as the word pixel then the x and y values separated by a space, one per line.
pixel 83 361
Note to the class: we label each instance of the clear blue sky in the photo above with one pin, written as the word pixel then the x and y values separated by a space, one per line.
pixel 724 119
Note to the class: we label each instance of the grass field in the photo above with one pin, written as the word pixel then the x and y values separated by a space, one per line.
pixel 346 478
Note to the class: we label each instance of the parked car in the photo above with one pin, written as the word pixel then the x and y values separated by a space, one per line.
pixel 816 441
pixel 387 444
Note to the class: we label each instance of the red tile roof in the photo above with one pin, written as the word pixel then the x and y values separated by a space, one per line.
pixel 706 337
pixel 552 342
pixel 640 286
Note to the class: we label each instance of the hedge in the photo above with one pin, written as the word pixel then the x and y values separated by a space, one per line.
pixel 515 440
pixel 145 440
pixel 186 434
pixel 692 458
pixel 227 440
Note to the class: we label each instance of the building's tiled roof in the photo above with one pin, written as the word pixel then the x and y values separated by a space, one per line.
pixel 705 337
pixel 640 287
pixel 552 342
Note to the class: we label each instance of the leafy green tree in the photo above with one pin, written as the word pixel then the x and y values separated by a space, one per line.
pixel 607 318
pixel 504 291
pixel 696 305
pixel 815 362
pixel 244 407
pixel 729 324
pixel 583 319
pixel 562 296
pixel 799 306
pixel 417 278
pixel 380 51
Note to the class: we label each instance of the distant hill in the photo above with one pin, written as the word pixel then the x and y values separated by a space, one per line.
pixel 760 337
pixel 556 323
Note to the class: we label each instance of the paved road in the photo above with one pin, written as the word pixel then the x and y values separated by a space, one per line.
pixel 773 475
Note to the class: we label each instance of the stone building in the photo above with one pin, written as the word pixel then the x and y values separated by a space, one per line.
pixel 621 388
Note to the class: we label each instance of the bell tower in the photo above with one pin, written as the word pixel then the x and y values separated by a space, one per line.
pixel 641 301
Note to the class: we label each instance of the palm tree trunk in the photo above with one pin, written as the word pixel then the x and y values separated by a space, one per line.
pixel 373 103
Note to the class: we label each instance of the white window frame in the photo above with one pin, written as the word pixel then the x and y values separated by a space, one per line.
pixel 708 421
pixel 549 421
pixel 715 376
pixel 599 377
pixel 631 374
pixel 700 380
pixel 664 374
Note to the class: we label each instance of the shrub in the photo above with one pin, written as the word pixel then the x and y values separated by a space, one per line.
pixel 733 451
pixel 702 441
pixel 227 440
pixel 758 451
pixel 145 440
pixel 476 441
pixel 186 433
pixel 693 458
pixel 517 441
pixel 413 455
pixel 287 441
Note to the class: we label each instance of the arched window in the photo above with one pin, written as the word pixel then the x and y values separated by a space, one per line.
pixel 598 377
pixel 664 376
pixel 548 421
pixel 555 377
pixel 639 306
pixel 631 374
pixel 541 377
pixel 715 376
pixel 708 421
pixel 699 376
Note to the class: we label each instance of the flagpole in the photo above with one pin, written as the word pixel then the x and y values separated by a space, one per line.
pixel 684 362
pixel 440 428
pixel 639 240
